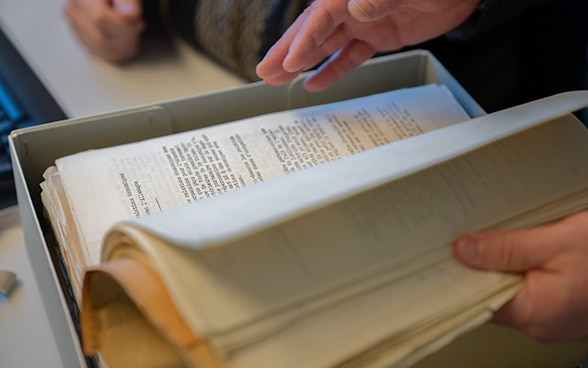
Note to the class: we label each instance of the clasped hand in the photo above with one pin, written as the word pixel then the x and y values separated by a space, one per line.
pixel 109 29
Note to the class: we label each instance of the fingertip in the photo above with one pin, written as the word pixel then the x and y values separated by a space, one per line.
pixel 468 249
pixel 127 8
pixel 261 69
pixel 275 78
pixel 272 72
pixel 295 57
pixel 291 65
pixel 363 11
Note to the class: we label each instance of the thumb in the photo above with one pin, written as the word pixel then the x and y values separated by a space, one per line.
pixel 128 8
pixel 371 10
pixel 509 251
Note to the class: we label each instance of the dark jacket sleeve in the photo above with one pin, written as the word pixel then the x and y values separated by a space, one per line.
pixel 489 14
pixel 235 33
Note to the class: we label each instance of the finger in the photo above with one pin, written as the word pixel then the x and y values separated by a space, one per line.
pixel 517 312
pixel 279 79
pixel 120 17
pixel 117 26
pixel 131 9
pixel 371 10
pixel 511 251
pixel 85 29
pixel 547 307
pixel 339 65
pixel 109 51
pixel 270 67
pixel 320 23
pixel 113 43
pixel 336 41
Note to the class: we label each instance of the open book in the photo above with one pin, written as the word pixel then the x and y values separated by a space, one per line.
pixel 87 192
pixel 343 263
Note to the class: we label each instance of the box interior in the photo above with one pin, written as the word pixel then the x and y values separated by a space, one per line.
pixel 35 149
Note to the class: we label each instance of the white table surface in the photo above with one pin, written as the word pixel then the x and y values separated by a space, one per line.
pixel 26 339
pixel 82 85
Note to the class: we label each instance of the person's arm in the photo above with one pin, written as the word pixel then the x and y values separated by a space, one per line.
pixel 553 303
pixel 110 30
pixel 348 32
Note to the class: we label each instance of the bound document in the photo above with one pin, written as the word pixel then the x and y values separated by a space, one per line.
pixel 317 237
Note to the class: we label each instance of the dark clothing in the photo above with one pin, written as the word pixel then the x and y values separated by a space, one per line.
pixel 235 33
pixel 542 51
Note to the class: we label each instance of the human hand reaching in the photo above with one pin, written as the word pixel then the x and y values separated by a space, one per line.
pixel 553 303
pixel 109 29
pixel 352 31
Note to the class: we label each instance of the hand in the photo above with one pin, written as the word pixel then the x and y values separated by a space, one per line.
pixel 110 29
pixel 553 303
pixel 352 31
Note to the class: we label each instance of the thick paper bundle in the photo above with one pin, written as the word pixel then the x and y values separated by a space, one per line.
pixel 344 264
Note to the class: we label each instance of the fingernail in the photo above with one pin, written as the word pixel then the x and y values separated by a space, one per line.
pixel 286 65
pixel 127 8
pixel 361 11
pixel 469 249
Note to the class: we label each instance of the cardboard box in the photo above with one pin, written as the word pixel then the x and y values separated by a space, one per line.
pixel 35 149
